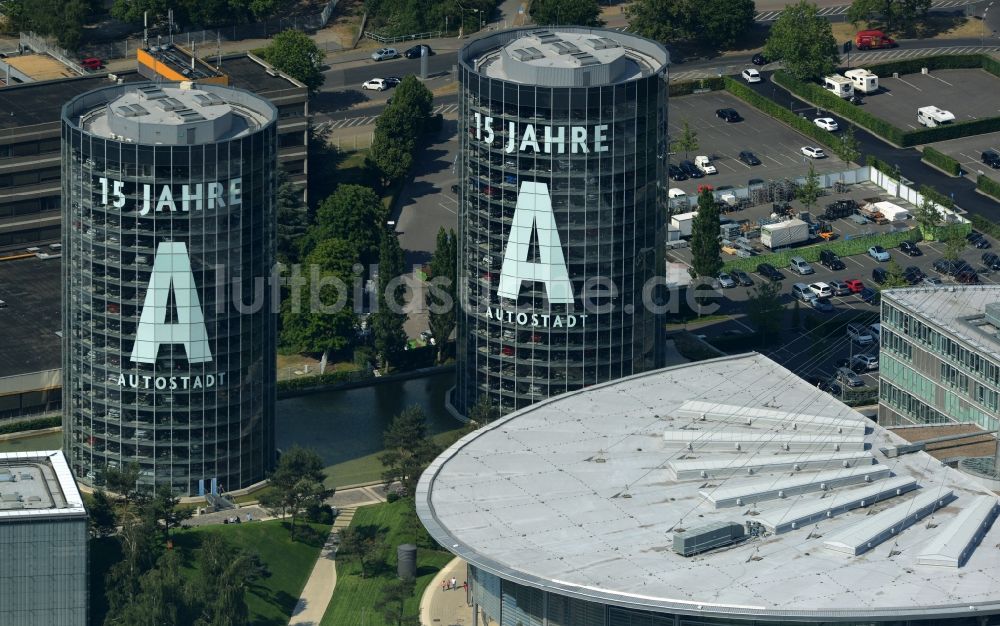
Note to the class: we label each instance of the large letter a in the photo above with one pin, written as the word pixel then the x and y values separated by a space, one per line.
pixel 534 212
pixel 171 270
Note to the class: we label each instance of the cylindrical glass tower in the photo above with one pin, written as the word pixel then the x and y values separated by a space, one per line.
pixel 562 218
pixel 168 323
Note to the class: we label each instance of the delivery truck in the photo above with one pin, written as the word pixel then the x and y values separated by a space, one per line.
pixel 873 40
pixel 682 223
pixel 864 80
pixel 784 234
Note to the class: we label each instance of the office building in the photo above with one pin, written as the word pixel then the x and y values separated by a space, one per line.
pixel 561 215
pixel 168 242
pixel 43 542
pixel 719 493
pixel 29 142
pixel 939 360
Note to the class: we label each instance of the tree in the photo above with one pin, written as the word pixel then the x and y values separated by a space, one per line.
pixel 563 12
pixel 295 54
pixel 388 319
pixel 764 309
pixel 133 10
pixel 408 449
pixel 356 215
pixel 442 292
pixel 225 574
pixel 705 245
pixel 101 513
pixel 292 218
pixel 62 19
pixel 954 243
pixel 803 40
pixel 810 191
pixel 164 597
pixel 124 482
pixel 717 24
pixel 928 218
pixel 687 142
pixel 849 148
pixel 296 483
pixel 897 14
pixel 394 597
pixel 364 545
pixel 165 509
pixel 392 146
pixel 415 101
pixel 894 276
pixel 484 411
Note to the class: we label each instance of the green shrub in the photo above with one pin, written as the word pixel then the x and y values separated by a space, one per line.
pixel 991 65
pixel 689 86
pixel 817 95
pixel 329 378
pixel 782 114
pixel 942 62
pixel 935 196
pixel 951 131
pixel 984 225
pixel 842 247
pixel 31 424
pixel 942 161
pixel 988 186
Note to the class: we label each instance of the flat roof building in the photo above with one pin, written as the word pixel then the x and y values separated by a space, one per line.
pixel 43 541
pixel 722 492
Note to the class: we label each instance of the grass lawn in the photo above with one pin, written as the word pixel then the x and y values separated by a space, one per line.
pixel 366 469
pixel 272 599
pixel 358 601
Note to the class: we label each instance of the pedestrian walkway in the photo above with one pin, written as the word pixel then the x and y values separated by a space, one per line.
pixel 447 607
pixel 319 588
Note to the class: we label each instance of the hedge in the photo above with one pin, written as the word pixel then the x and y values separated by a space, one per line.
pixel 941 62
pixel 329 378
pixel 988 186
pixel 951 131
pixel 943 161
pixel 779 112
pixel 842 247
pixel 985 226
pixel 688 87
pixel 31 424
pixel 819 96
pixel 929 192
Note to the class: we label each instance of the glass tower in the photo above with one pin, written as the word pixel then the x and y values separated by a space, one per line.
pixel 563 149
pixel 168 324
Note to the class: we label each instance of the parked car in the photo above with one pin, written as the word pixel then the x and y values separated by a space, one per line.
pixel 849 378
pixel 730 115
pixel 854 285
pixel 991 260
pixel 759 59
pixel 822 305
pixel 950 268
pixel 375 84
pixel 676 173
pixel 878 253
pixel 879 276
pixel 726 281
pixel 827 123
pixel 92 63
pixel 913 274
pixel 749 158
pixel 840 288
pixel 769 272
pixel 704 164
pixel 931 281
pixel 414 52
pixel 813 152
pixel 992 158
pixel 967 277
pixel 821 289
pixel 751 75
pixel 800 266
pixel 691 169
pixel 910 249
pixel 977 239
pixel 801 291
pixel 868 362
pixel 384 54
pixel 743 278
pixel 829 259
pixel 868 295
pixel 859 334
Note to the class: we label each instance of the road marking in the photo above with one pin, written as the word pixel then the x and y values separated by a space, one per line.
pixel 909 83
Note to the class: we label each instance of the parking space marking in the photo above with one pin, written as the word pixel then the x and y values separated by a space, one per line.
pixel 910 84
pixel 855 261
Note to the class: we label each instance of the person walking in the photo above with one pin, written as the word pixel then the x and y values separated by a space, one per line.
pixel 444 585
pixel 453 582
pixel 465 586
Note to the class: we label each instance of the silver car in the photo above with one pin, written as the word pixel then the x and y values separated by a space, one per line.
pixel 849 378
pixel 726 281
pixel 383 54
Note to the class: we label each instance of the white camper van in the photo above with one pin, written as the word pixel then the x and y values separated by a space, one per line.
pixel 933 116
pixel 840 86
pixel 864 81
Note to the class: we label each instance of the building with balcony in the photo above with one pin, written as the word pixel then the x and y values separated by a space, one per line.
pixel 561 217
pixel 43 540
pixel 168 237
pixel 719 493
pixel 939 359
pixel 30 140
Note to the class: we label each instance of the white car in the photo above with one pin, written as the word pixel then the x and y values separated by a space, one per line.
pixel 376 84
pixel 751 75
pixel 822 290
pixel 383 54
pixel 878 253
pixel 813 152
pixel 858 333
pixel 827 123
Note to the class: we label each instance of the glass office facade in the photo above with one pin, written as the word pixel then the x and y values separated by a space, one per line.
pixel 168 330
pixel 498 601
pixel 561 220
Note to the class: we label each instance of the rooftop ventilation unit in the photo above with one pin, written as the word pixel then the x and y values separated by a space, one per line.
pixel 706 537
pixel 874 529
pixel 993 314
pixel 171 104
pixel 546 36
pixel 694 469
pixel 757 442
pixel 126 111
pixel 189 115
pixel 526 54
pixel 778 488
pixel 699 410
pixel 151 92
pixel 565 47
pixel 208 99
pixel 585 58
pixel 955 543
pixel 603 43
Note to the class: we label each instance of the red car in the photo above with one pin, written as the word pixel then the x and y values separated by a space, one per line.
pixel 92 63
pixel 854 285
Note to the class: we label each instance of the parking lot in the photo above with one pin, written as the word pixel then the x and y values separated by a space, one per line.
pixel 969 151
pixel 969 94
pixel 814 357
pixel 776 145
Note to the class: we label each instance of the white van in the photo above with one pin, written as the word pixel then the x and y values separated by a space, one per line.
pixel 840 86
pixel 705 165
pixel 933 116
